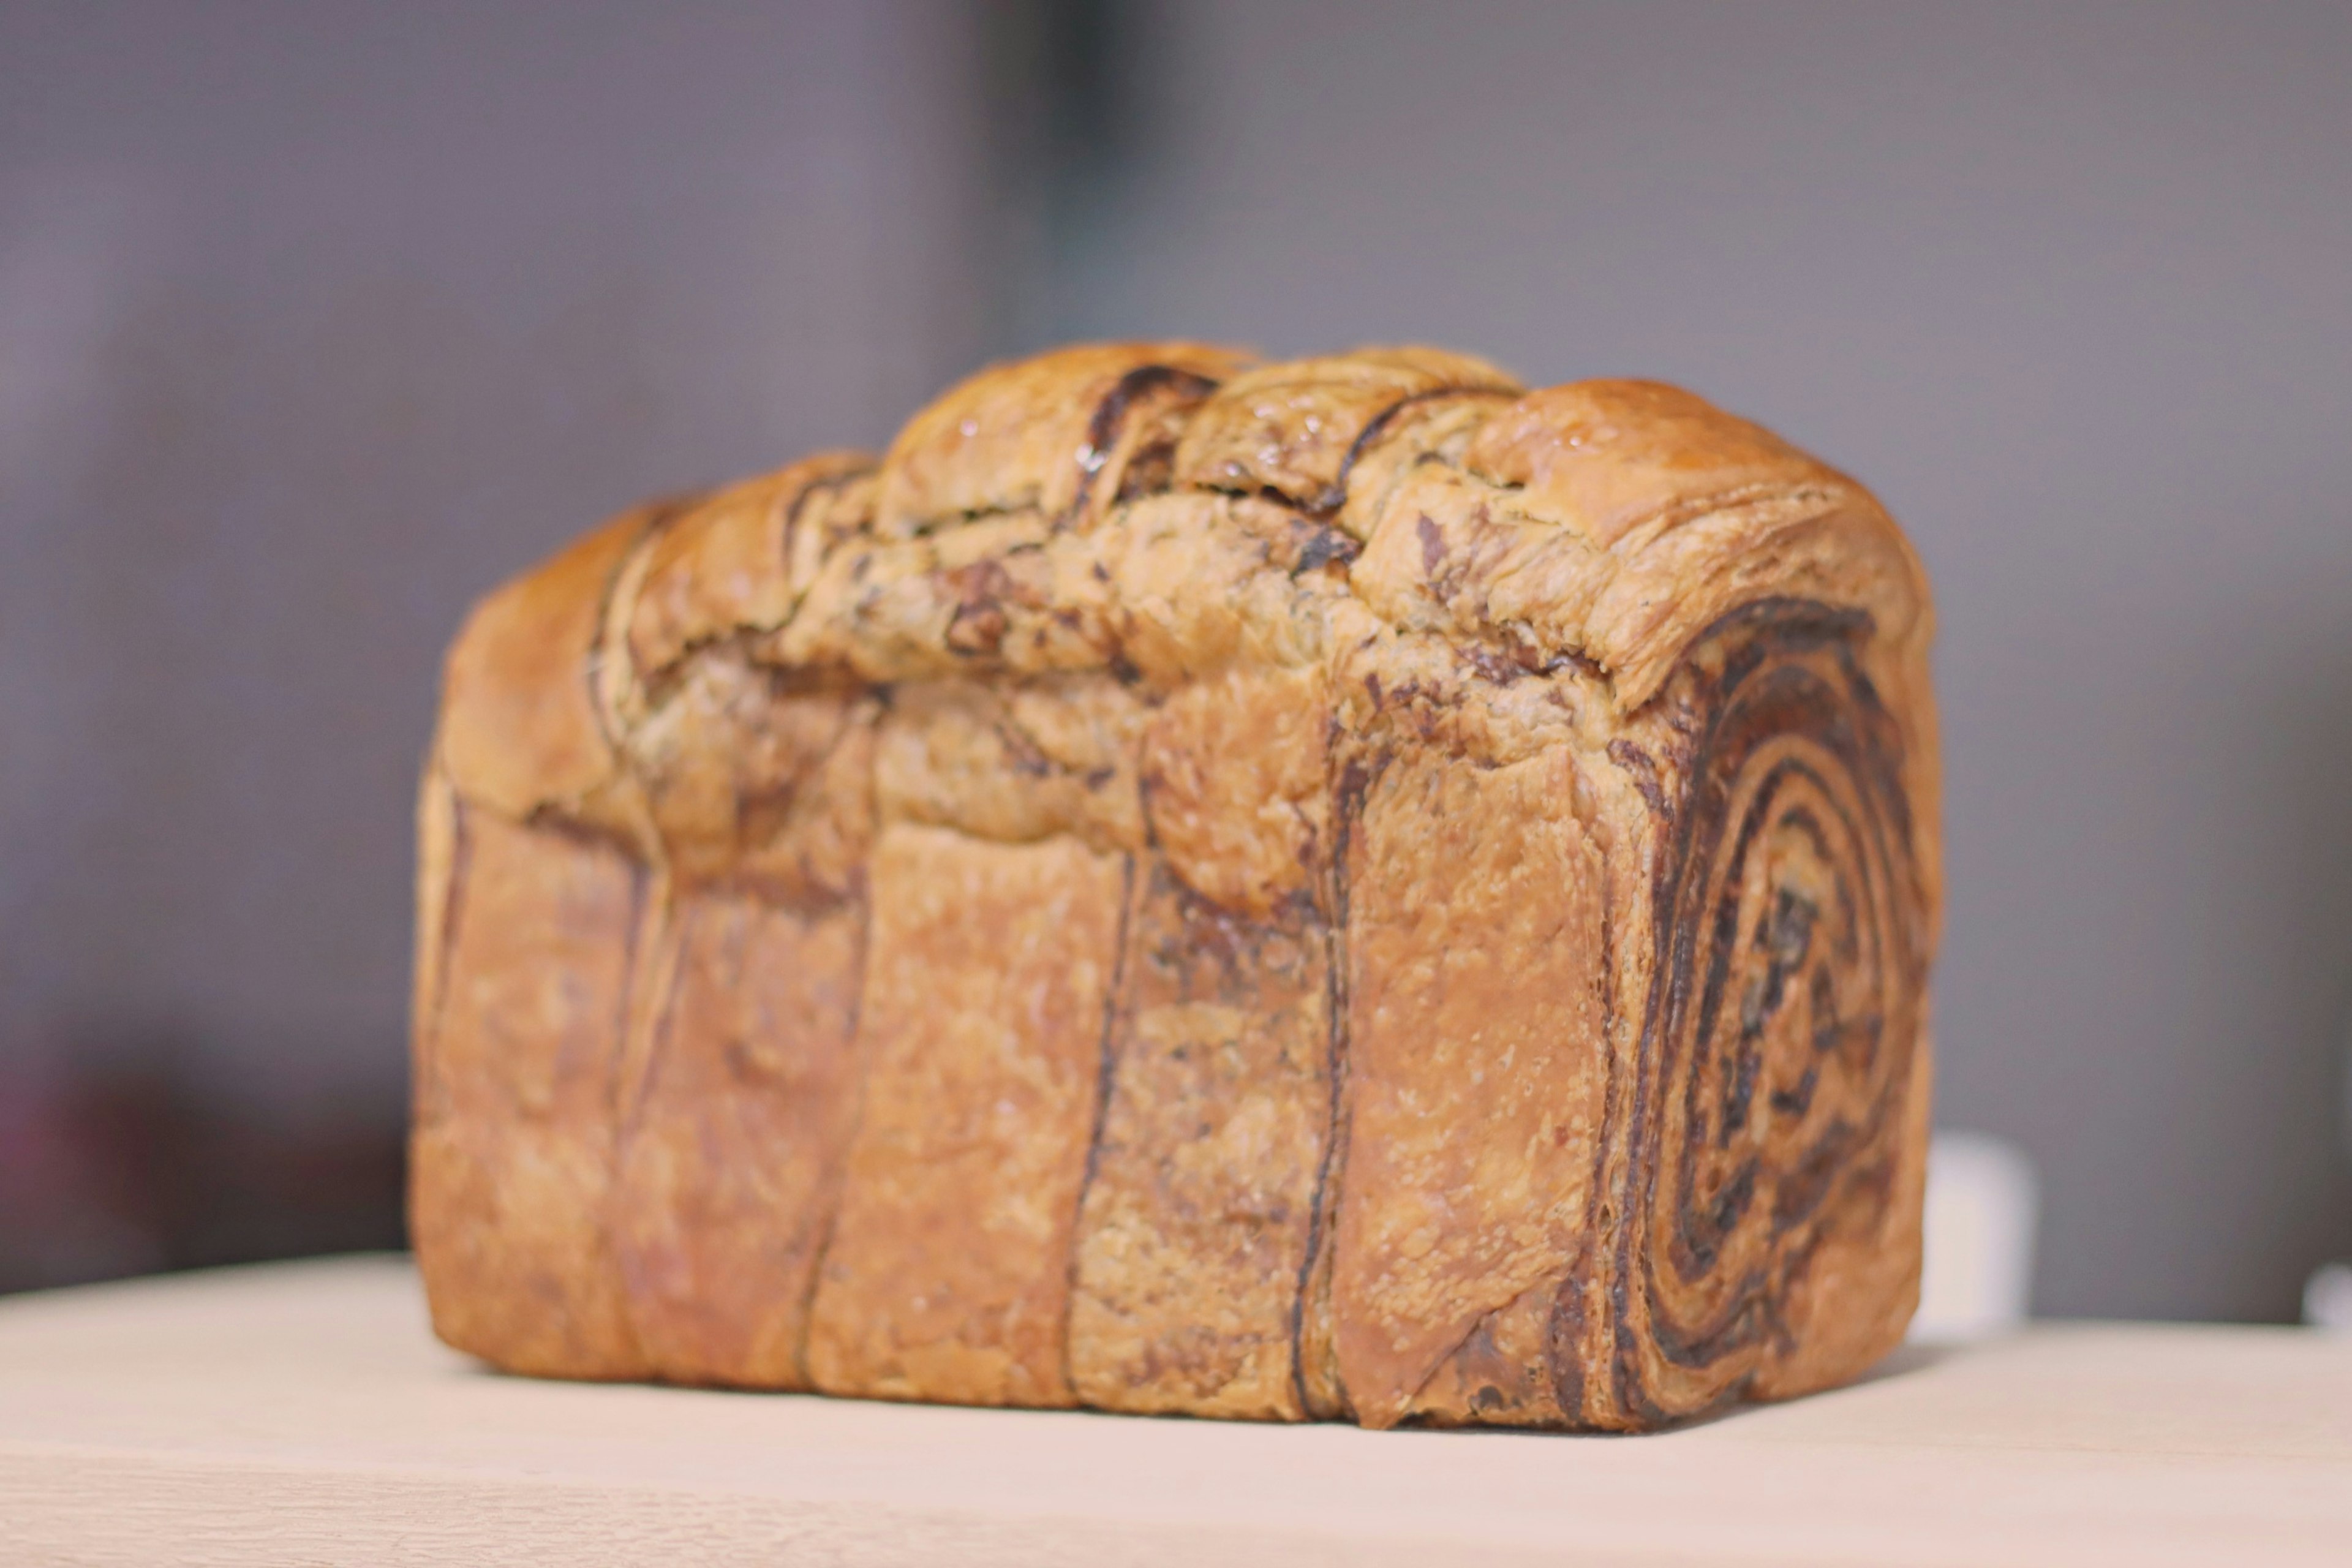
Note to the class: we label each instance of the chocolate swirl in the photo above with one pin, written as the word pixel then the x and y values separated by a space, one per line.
pixel 1777 1047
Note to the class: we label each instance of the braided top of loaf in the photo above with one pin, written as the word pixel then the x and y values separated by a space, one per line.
pixel 1163 512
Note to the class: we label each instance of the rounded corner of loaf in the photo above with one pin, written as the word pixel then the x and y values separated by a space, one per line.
pixel 518 728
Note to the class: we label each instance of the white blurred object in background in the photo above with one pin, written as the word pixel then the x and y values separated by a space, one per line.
pixel 2327 1298
pixel 2327 1294
pixel 1978 1276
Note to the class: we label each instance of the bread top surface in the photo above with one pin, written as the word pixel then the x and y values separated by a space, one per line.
pixel 1165 513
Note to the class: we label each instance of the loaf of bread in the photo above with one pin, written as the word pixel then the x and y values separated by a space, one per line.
pixel 1334 890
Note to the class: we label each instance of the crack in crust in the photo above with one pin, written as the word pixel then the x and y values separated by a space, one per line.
pixel 1338 888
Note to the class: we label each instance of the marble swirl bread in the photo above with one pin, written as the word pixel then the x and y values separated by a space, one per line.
pixel 1335 889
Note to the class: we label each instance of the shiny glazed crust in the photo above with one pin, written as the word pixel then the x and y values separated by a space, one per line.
pixel 1340 889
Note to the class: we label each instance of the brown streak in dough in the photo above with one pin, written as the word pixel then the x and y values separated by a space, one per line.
pixel 1120 426
pixel 853 1115
pixel 1321 1391
pixel 730 1165
pixel 1293 430
pixel 721 570
pixel 653 974
pixel 1630 816
pixel 1378 429
pixel 948 1274
pixel 1010 437
pixel 1130 890
pixel 1198 1222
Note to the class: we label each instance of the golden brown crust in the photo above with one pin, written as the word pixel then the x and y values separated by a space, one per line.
pixel 514 1141
pixel 989 966
pixel 725 567
pixel 1475 948
pixel 1603 458
pixel 1297 428
pixel 521 726
pixel 1049 435
pixel 730 1154
pixel 1200 1212
pixel 1333 889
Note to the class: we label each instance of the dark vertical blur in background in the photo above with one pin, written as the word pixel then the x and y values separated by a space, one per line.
pixel 317 319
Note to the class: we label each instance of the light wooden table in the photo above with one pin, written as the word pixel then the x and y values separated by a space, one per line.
pixel 302 1415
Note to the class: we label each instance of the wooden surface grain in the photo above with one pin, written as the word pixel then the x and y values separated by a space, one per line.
pixel 301 1414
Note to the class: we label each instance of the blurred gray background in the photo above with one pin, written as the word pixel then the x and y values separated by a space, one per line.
pixel 318 319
